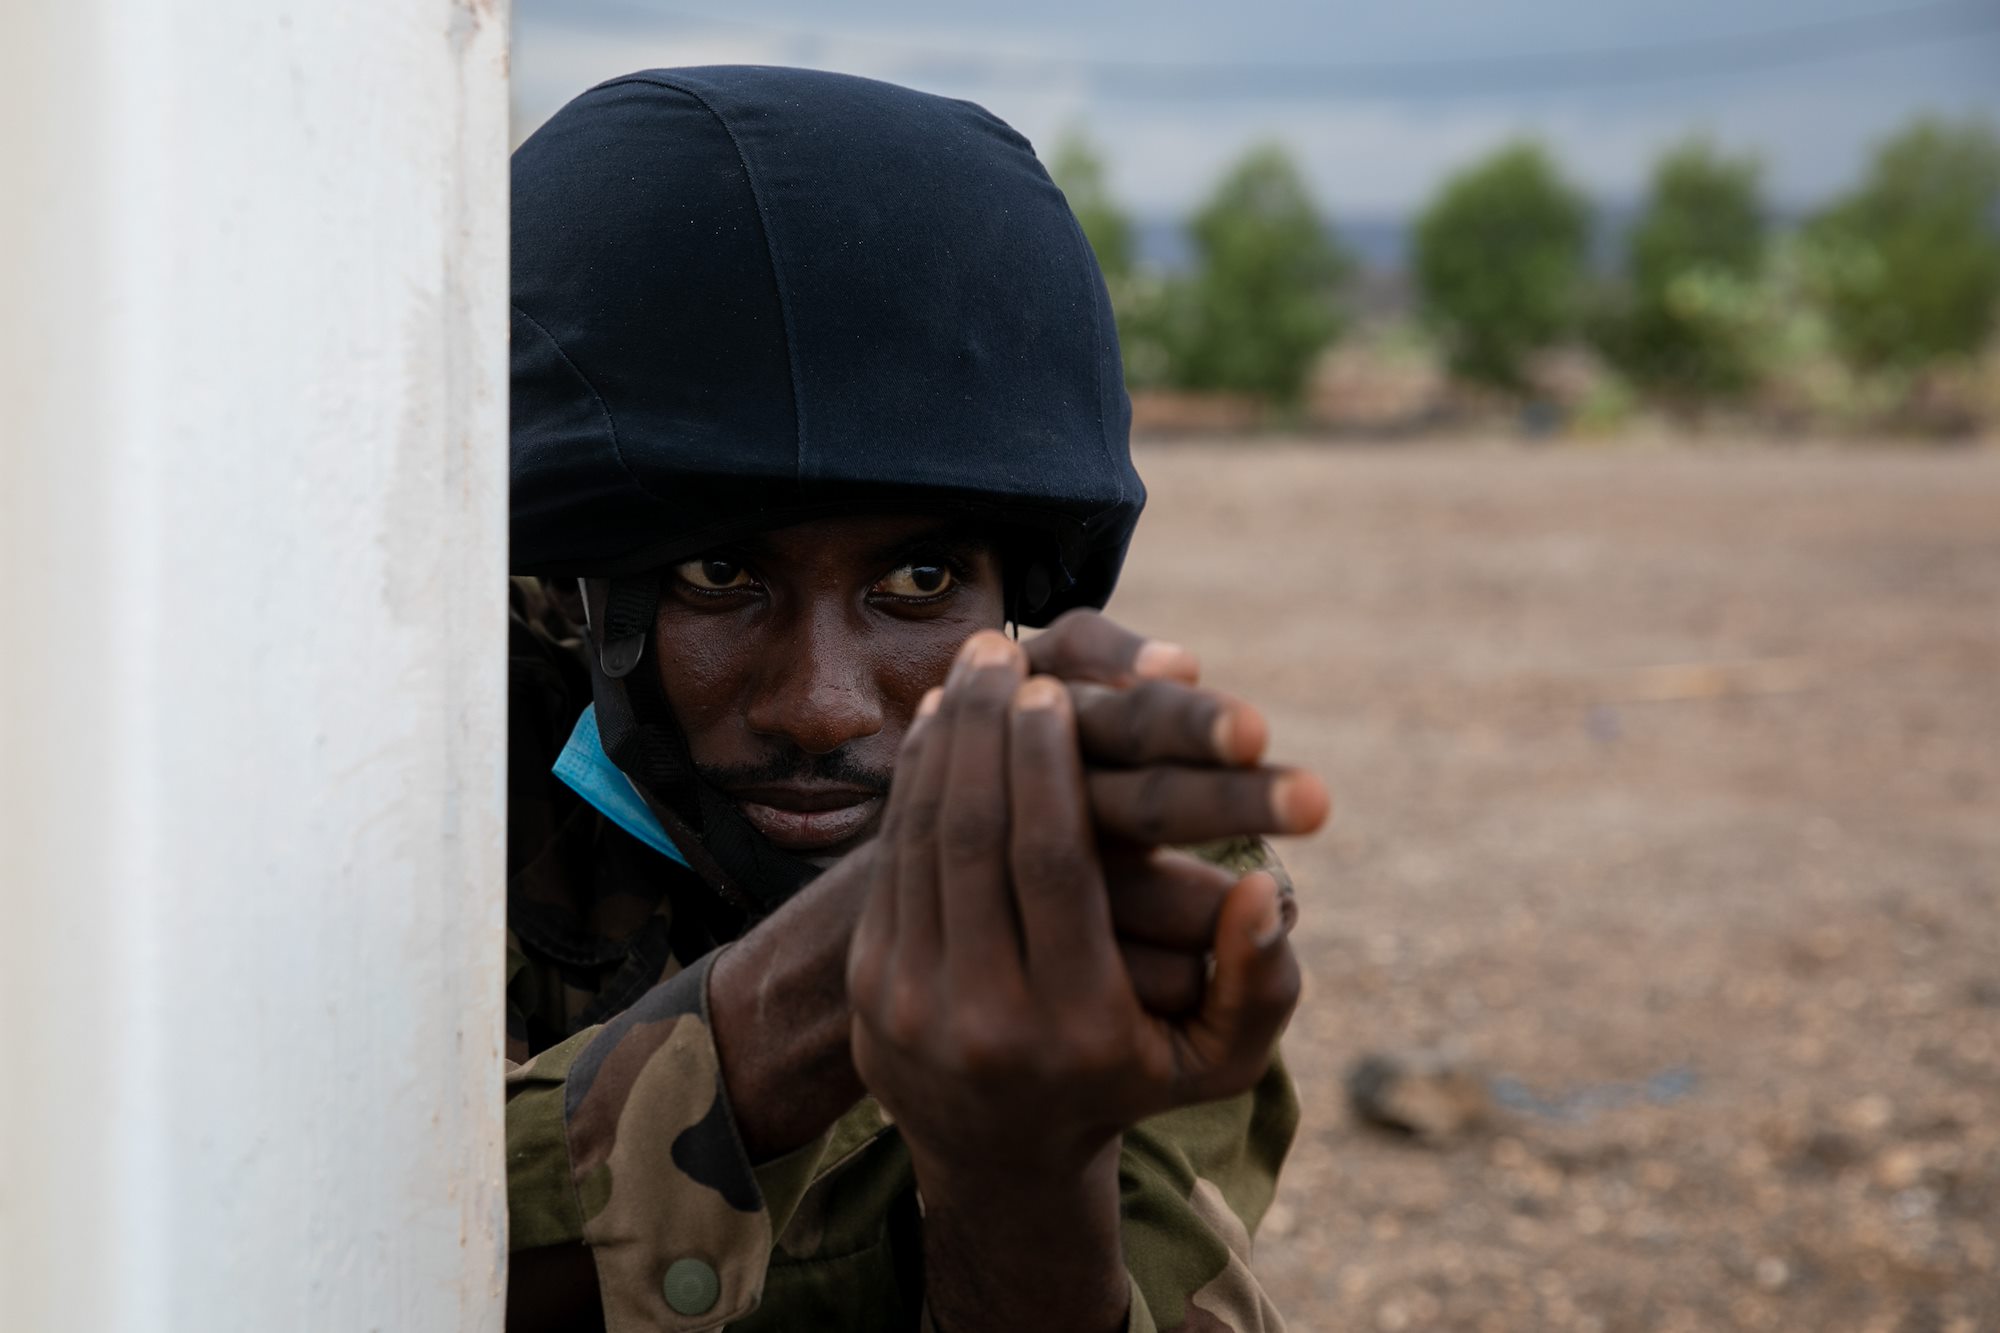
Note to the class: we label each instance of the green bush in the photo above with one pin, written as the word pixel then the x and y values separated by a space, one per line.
pixel 1078 171
pixel 1263 301
pixel 1500 258
pixel 1138 297
pixel 1907 268
pixel 1690 323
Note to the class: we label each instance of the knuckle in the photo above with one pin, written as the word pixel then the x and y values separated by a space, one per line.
pixel 864 974
pixel 919 819
pixel 1195 716
pixel 984 708
pixel 1129 726
pixel 1056 644
pixel 1250 798
pixel 971 833
pixel 1084 642
pixel 986 1043
pixel 1045 862
pixel 1152 790
pixel 1157 702
pixel 905 1013
pixel 1098 1046
pixel 1179 716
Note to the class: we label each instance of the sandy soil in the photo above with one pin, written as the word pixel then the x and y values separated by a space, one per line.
pixel 1668 794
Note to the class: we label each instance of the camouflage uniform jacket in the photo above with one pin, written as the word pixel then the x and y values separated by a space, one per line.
pixel 619 1134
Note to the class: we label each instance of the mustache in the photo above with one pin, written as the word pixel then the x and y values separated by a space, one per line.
pixel 834 767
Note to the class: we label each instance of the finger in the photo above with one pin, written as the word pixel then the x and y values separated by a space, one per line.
pixel 1173 804
pixel 1058 885
pixel 875 930
pixel 1168 982
pixel 981 942
pixel 1166 898
pixel 1158 721
pixel 877 926
pixel 1250 996
pixel 1087 645
pixel 913 814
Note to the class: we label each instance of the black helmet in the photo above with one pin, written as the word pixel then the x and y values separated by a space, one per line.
pixel 747 296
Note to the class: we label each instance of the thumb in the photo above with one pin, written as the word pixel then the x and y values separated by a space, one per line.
pixel 1251 995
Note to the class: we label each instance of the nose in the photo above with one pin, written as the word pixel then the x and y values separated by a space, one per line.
pixel 819 690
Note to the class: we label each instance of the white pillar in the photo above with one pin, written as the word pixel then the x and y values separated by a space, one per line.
pixel 252 547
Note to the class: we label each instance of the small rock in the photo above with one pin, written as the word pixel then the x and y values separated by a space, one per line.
pixel 1773 1273
pixel 1424 1094
pixel 1911 1204
pixel 1899 1168
pixel 1828 1151
pixel 1869 1114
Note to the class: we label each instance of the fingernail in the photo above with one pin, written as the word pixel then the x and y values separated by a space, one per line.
pixel 1157 658
pixel 1298 803
pixel 1038 692
pixel 1238 735
pixel 929 703
pixel 1269 926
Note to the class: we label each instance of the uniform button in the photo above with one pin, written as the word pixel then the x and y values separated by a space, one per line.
pixel 691 1286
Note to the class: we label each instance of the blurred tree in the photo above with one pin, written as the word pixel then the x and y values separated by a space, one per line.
pixel 1907 267
pixel 1263 301
pixel 1139 299
pixel 1500 263
pixel 1078 171
pixel 1688 326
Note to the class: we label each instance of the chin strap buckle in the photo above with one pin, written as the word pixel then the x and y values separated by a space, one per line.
pixel 630 607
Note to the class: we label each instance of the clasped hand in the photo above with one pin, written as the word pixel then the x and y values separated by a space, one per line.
pixel 993 1013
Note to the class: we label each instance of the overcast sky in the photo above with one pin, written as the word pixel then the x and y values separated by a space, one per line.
pixel 1379 100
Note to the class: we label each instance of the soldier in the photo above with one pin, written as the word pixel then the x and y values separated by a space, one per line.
pixel 852 982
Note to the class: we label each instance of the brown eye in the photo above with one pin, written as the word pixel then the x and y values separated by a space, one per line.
pixel 713 574
pixel 916 580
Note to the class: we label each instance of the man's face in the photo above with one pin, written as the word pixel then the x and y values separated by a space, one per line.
pixel 794 661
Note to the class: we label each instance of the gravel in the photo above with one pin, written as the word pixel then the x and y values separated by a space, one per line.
pixel 1667 796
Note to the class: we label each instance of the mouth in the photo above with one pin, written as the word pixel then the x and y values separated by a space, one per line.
pixel 809 818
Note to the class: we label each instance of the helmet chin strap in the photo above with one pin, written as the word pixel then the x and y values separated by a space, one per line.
pixel 631 603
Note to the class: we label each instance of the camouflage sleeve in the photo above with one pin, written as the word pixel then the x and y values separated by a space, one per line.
pixel 1195 1184
pixel 621 1137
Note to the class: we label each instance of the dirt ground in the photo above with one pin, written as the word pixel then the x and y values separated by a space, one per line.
pixel 1668 797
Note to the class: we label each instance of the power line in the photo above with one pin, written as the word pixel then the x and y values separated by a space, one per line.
pixel 1709 56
